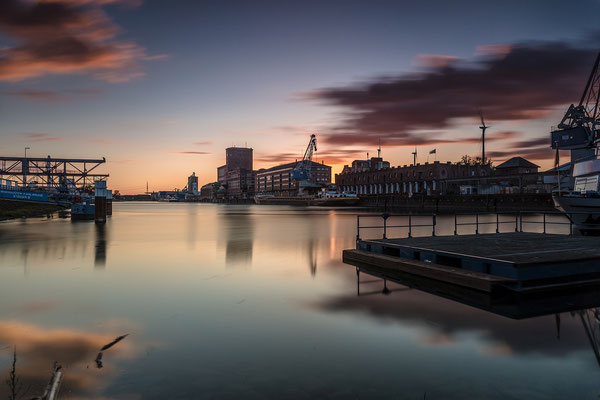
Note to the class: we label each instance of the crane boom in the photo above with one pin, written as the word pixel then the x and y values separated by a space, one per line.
pixel 302 171
pixel 579 128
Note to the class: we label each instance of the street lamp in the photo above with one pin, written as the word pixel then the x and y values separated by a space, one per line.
pixel 26 148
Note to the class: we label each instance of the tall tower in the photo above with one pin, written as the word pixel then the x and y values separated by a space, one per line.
pixel 483 127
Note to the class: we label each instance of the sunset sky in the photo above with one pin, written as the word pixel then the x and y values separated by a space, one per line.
pixel 161 88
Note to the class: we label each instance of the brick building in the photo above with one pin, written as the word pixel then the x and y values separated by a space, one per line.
pixel 237 175
pixel 428 178
pixel 277 181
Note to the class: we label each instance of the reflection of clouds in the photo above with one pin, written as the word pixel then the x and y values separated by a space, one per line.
pixel 442 321
pixel 38 348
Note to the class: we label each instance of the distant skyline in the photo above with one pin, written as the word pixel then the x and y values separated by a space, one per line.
pixel 162 88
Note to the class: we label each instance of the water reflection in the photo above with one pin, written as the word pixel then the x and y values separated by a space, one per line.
pixel 100 248
pixel 38 347
pixel 550 323
pixel 238 230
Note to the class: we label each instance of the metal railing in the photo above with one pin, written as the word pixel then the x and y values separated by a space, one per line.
pixel 517 219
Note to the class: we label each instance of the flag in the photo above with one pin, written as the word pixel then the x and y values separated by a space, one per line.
pixel 432 151
pixel 557 158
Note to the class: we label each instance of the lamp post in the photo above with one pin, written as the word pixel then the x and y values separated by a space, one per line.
pixel 26 148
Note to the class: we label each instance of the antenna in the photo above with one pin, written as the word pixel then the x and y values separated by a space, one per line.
pixel 379 149
pixel 147 187
pixel 483 127
pixel 414 153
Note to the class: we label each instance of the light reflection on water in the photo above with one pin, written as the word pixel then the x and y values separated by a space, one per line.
pixel 254 302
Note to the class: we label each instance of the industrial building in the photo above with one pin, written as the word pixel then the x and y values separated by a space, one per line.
pixel 277 180
pixel 428 178
pixel 237 175
pixel 514 175
pixel 192 184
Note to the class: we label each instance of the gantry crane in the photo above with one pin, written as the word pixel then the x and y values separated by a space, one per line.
pixel 580 127
pixel 302 171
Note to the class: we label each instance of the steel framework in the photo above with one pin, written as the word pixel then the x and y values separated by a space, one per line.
pixel 59 173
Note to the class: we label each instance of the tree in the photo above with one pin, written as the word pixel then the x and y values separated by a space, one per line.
pixel 474 161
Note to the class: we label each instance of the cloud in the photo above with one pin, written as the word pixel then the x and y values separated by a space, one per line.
pixel 42 137
pixel 203 143
pixel 511 82
pixel 329 157
pixel 51 95
pixel 38 95
pixel 65 36
pixel 196 153
pixel 434 61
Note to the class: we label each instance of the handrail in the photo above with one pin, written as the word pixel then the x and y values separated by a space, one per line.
pixel 518 221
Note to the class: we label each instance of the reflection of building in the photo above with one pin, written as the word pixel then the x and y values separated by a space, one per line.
pixel 277 181
pixel 238 231
pixel 237 175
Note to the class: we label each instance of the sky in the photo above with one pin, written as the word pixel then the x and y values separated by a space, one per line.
pixel 161 88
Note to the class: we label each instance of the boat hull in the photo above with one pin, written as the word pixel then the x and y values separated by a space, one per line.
pixel 584 212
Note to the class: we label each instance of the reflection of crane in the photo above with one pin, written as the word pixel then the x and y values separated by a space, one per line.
pixel 483 127
pixel 302 171
pixel 590 319
pixel 580 126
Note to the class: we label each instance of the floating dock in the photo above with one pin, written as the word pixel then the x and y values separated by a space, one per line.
pixel 518 261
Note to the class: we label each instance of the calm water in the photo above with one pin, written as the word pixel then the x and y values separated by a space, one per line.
pixel 254 302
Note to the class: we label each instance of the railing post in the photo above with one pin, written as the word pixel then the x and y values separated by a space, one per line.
pixel 455 231
pixel 521 221
pixel 477 224
pixel 570 224
pixel 385 217
pixel 544 222
pixel 434 222
pixel 357 228
pixel 410 226
pixel 497 223
pixel 517 221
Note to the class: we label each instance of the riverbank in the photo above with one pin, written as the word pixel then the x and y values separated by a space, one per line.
pixel 22 209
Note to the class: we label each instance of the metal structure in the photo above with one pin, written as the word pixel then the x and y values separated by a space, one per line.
pixel 55 173
pixel 579 128
pixel 483 127
pixel 302 171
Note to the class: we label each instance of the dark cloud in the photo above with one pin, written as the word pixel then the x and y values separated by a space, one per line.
pixel 329 157
pixel 38 95
pixel 65 36
pixel 511 82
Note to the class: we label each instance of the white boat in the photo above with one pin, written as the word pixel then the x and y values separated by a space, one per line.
pixel 582 203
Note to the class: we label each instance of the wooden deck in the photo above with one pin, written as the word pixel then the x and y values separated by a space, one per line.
pixel 519 261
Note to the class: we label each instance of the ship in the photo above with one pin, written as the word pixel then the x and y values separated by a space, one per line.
pixel 326 199
pixel 579 131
